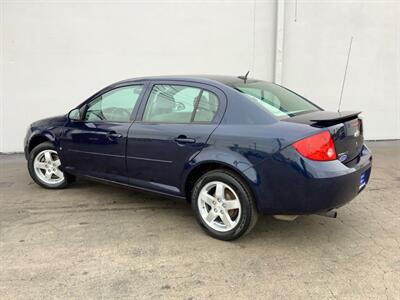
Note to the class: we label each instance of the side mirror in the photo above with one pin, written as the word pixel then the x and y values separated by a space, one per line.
pixel 75 114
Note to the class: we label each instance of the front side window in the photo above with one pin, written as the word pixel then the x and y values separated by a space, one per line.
pixel 180 104
pixel 277 100
pixel 114 106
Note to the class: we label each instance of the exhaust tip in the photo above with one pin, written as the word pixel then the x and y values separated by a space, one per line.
pixel 328 214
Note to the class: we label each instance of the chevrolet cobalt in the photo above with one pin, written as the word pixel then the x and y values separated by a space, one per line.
pixel 232 147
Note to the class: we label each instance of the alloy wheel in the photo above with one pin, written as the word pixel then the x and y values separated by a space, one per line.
pixel 46 166
pixel 219 206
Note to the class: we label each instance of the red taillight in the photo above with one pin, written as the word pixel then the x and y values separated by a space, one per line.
pixel 317 147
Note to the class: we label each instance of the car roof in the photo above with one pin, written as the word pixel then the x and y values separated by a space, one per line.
pixel 222 79
pixel 238 102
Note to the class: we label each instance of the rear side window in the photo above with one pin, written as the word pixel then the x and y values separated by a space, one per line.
pixel 114 106
pixel 207 107
pixel 275 99
pixel 180 104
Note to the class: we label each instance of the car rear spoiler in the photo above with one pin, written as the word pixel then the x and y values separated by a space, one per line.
pixel 328 118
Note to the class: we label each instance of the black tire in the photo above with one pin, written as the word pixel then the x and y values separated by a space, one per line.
pixel 249 213
pixel 32 155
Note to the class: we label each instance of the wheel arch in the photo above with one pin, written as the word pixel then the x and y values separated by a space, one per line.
pixel 201 168
pixel 38 139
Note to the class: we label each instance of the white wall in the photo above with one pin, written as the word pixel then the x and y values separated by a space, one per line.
pixel 57 54
pixel 54 54
pixel 315 54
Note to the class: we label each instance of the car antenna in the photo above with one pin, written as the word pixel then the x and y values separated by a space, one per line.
pixel 345 73
pixel 244 77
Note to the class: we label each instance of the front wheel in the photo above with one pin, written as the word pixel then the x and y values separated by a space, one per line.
pixel 43 166
pixel 223 205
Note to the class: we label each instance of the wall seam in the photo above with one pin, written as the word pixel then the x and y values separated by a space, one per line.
pixel 280 26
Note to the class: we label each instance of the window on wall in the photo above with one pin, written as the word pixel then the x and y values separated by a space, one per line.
pixel 115 106
pixel 180 104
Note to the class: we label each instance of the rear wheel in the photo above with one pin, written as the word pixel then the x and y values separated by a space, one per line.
pixel 44 167
pixel 223 205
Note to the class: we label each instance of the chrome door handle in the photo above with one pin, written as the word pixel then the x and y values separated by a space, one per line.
pixel 183 139
pixel 114 135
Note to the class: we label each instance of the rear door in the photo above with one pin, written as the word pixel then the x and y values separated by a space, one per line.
pixel 174 123
pixel 96 145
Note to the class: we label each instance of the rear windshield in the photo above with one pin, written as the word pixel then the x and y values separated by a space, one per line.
pixel 277 100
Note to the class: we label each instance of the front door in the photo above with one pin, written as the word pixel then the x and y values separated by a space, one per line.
pixel 176 122
pixel 96 144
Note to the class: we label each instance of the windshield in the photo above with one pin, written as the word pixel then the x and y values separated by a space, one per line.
pixel 277 100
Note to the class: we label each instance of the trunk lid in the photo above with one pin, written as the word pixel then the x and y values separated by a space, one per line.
pixel 345 127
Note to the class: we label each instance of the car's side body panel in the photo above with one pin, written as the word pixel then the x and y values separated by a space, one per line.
pixel 234 146
pixel 290 184
pixel 90 148
pixel 155 155
pixel 48 129
pixel 97 148
pixel 155 159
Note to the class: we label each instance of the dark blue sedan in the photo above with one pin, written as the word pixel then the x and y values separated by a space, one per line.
pixel 233 147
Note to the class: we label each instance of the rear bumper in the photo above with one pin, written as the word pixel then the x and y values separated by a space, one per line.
pixel 291 184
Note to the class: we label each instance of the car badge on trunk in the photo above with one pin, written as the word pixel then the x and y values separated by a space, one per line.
pixel 342 157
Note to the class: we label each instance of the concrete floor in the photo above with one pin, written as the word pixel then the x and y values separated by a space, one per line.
pixel 97 241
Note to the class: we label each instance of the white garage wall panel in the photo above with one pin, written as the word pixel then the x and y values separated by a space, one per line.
pixel 315 53
pixel 54 54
